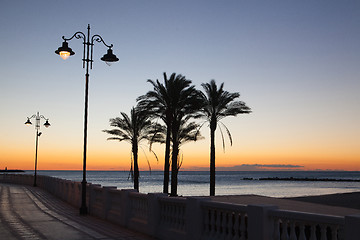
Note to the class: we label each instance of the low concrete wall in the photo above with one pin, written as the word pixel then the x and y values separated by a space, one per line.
pixel 189 218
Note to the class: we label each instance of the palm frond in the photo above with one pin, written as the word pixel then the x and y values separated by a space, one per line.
pixel 147 159
pixel 131 172
pixel 228 132
pixel 222 138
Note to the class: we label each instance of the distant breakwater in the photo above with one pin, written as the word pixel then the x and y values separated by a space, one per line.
pixel 304 179
pixel 11 171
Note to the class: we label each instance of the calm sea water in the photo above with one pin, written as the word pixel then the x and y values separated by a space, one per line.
pixel 196 183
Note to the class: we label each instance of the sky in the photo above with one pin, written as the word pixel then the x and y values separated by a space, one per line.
pixel 295 63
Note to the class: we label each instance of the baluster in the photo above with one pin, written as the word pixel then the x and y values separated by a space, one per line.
pixel 236 228
pixel 212 222
pixel 182 222
pixel 229 225
pixel 206 217
pixel 182 218
pixel 167 209
pixel 323 231
pixel 313 232
pixel 276 229
pixel 137 206
pixel 302 232
pixel 168 216
pixel 341 234
pixel 334 230
pixel 242 227
pixel 171 214
pixel 292 231
pixel 161 213
pixel 284 232
pixel 174 216
pixel 223 224
pixel 144 212
pixel 218 224
pixel 178 207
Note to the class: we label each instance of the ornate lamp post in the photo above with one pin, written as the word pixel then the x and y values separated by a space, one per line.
pixel 38 134
pixel 64 51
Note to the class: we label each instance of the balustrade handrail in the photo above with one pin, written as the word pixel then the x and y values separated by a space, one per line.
pixel 225 206
pixel 309 217
pixel 137 195
pixel 179 200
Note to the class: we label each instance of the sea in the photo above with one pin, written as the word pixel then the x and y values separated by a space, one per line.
pixel 196 183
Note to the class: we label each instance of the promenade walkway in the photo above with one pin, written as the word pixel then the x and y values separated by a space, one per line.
pixel 31 213
pixel 332 204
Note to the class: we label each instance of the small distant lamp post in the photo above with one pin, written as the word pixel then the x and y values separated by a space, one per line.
pixel 38 134
pixel 64 51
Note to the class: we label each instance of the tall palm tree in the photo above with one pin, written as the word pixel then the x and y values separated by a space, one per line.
pixel 133 129
pixel 219 104
pixel 172 101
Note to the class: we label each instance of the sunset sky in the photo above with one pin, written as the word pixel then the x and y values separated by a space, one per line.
pixel 295 63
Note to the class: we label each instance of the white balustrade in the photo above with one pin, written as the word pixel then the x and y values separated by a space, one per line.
pixel 291 225
pixel 224 221
pixel 196 218
pixel 172 213
pixel 139 206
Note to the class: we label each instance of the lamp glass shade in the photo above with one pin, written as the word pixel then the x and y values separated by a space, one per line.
pixel 64 55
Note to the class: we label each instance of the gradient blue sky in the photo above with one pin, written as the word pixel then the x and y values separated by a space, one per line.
pixel 295 63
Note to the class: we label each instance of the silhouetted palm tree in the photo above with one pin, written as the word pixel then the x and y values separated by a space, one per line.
pixel 218 105
pixel 173 101
pixel 133 129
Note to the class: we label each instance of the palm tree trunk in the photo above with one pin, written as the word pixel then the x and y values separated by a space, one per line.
pixel 212 161
pixel 167 163
pixel 174 161
pixel 174 170
pixel 136 167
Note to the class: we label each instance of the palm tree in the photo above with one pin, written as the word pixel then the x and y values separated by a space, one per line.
pixel 133 129
pixel 172 102
pixel 219 104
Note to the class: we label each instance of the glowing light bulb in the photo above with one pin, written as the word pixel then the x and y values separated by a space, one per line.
pixel 64 54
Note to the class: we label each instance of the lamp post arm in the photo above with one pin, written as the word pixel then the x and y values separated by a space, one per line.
pixel 42 116
pixel 98 38
pixel 77 35
pixel 32 117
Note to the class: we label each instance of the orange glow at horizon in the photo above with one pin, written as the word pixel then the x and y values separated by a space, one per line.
pixel 99 161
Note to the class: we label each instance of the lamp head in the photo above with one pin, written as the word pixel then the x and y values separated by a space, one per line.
pixel 47 124
pixel 64 51
pixel 28 122
pixel 109 57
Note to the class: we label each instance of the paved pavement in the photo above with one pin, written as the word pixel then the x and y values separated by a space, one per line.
pixel 31 213
pixel 341 205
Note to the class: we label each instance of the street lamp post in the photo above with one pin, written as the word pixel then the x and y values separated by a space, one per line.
pixel 64 51
pixel 38 134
